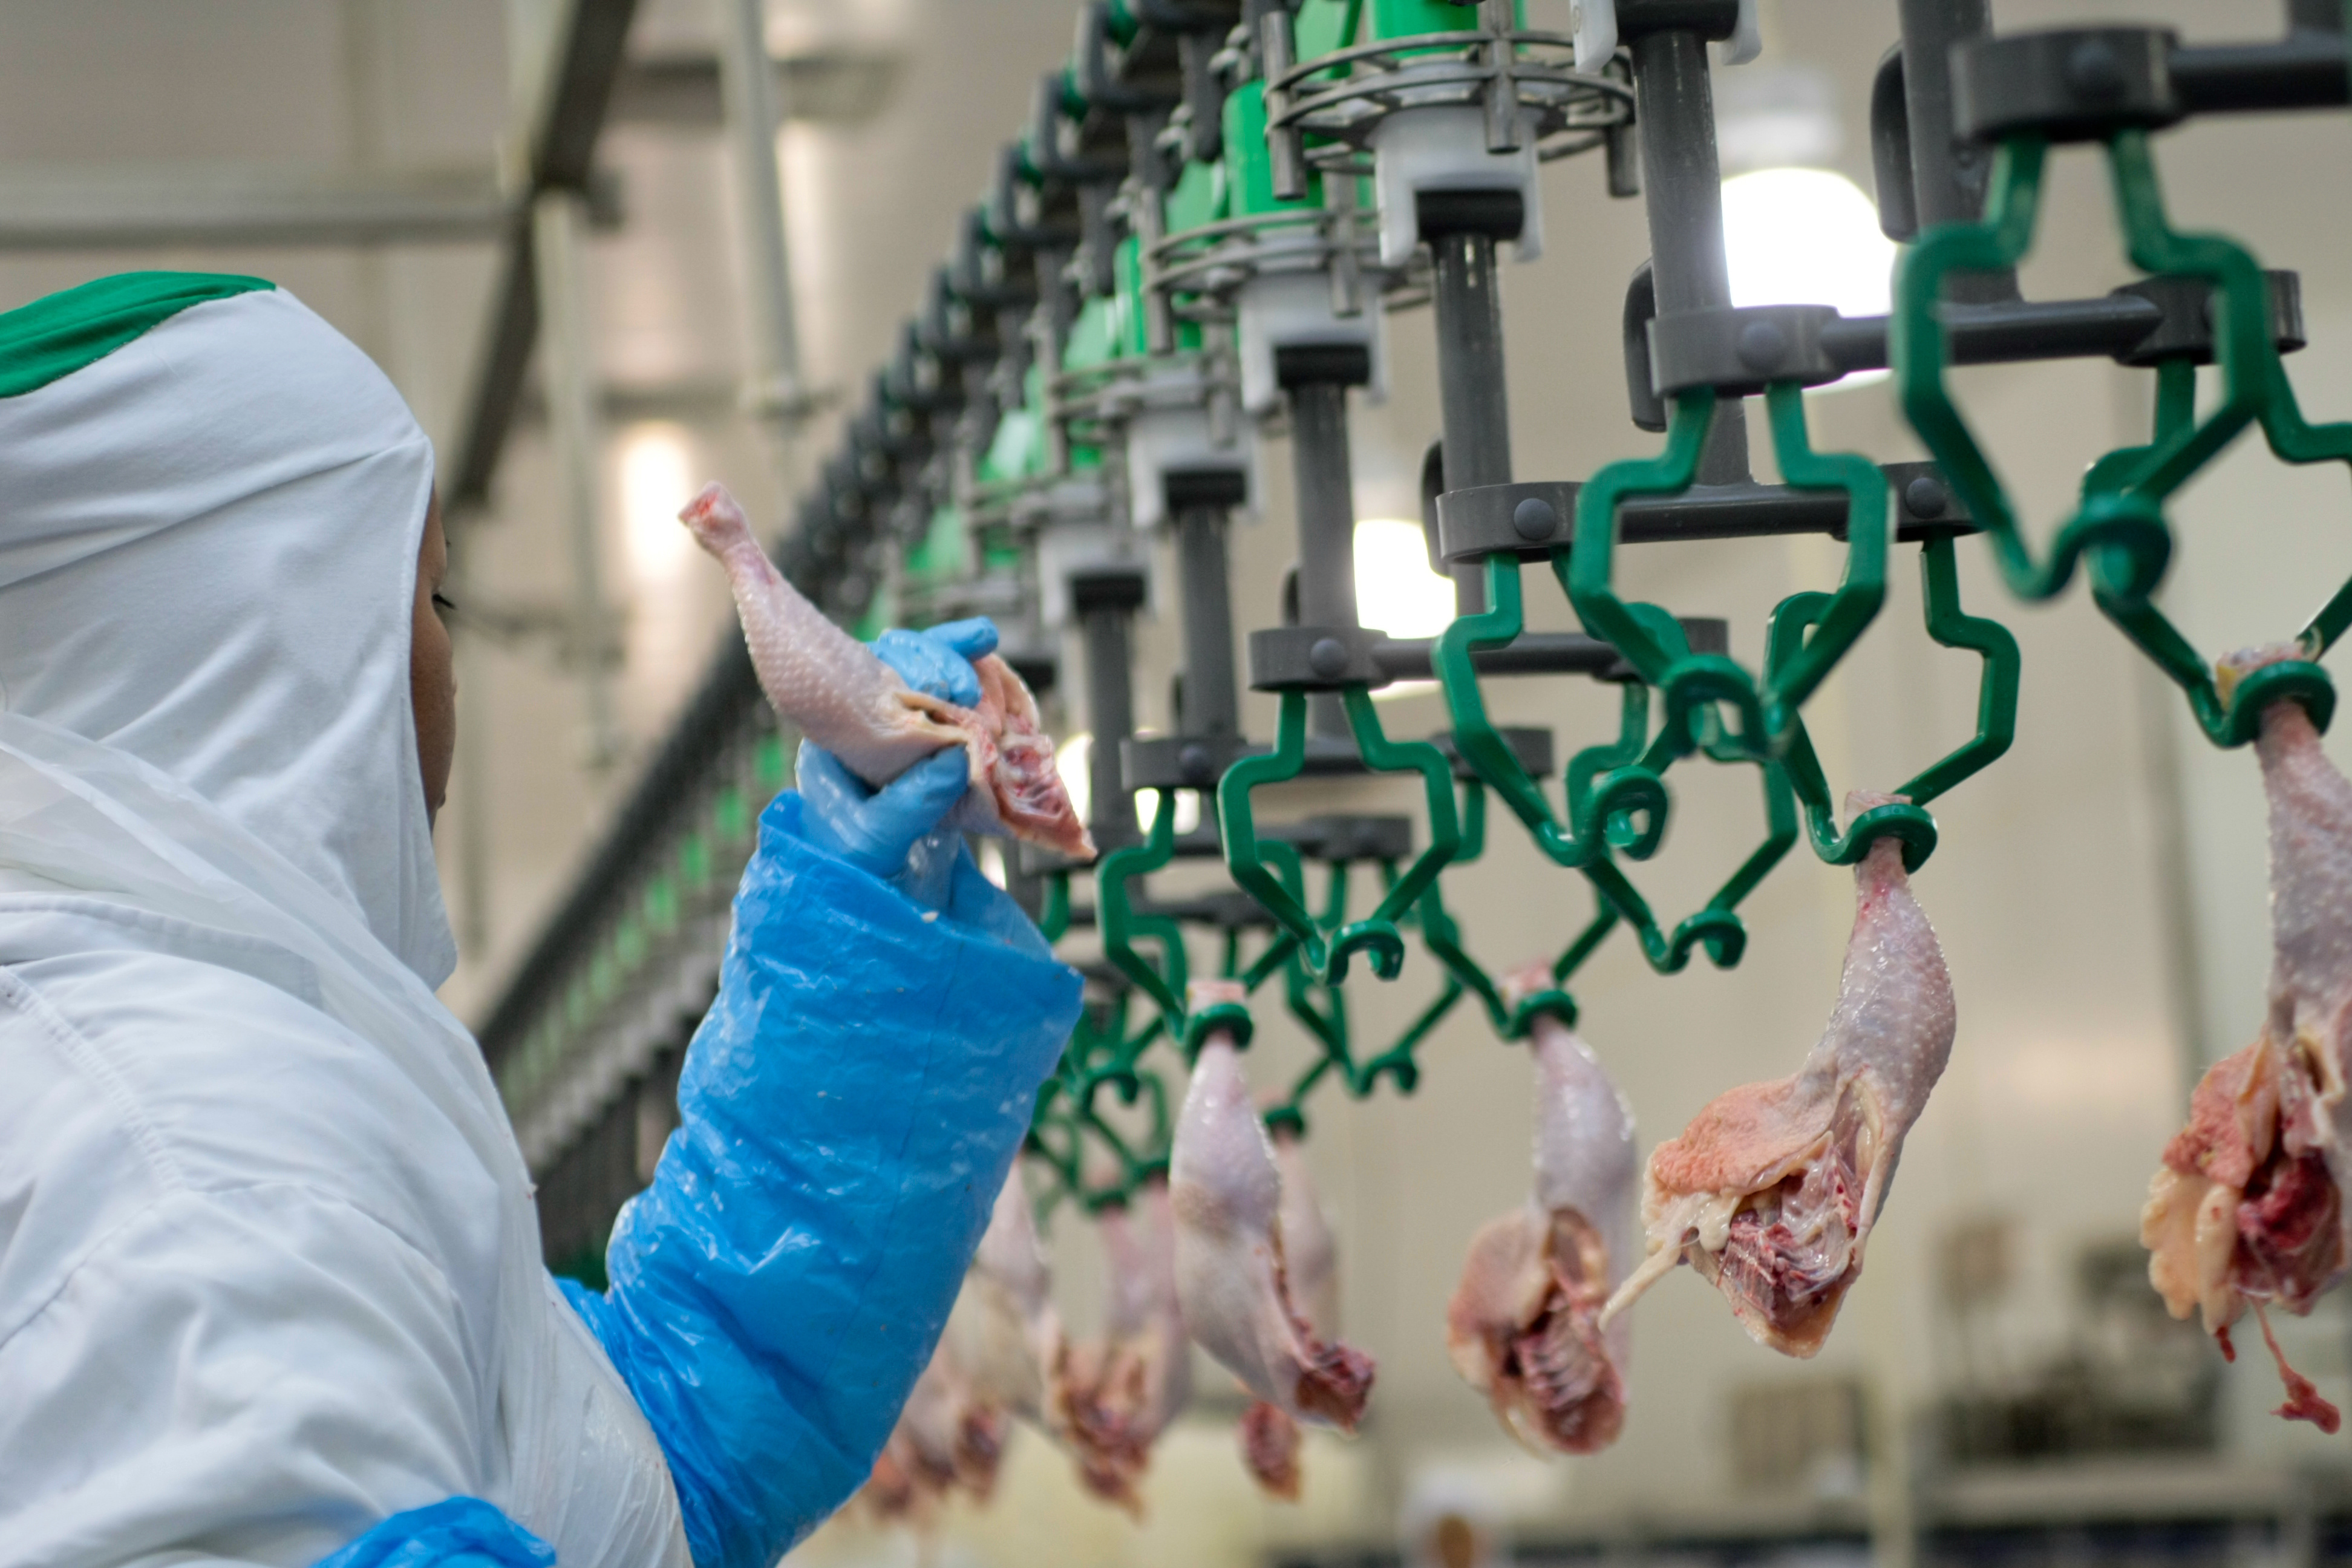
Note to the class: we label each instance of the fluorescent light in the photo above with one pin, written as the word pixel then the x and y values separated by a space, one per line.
pixel 1396 592
pixel 657 478
pixel 1073 759
pixel 1807 237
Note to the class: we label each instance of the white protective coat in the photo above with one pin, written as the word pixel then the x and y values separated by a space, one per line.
pixel 269 1270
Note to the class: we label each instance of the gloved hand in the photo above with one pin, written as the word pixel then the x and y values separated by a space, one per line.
pixel 460 1532
pixel 894 833
pixel 939 661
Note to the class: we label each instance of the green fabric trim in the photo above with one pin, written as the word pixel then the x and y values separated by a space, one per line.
pixel 51 337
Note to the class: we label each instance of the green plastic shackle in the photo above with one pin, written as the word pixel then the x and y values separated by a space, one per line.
pixel 1326 956
pixel 1996 685
pixel 1625 795
pixel 1465 973
pixel 1767 710
pixel 1163 983
pixel 2119 524
pixel 1067 1122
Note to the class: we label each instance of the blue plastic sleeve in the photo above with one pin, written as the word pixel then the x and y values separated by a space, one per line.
pixel 458 1533
pixel 848 1111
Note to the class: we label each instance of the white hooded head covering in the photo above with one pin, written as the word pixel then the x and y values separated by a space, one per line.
pixel 209 521
pixel 208 542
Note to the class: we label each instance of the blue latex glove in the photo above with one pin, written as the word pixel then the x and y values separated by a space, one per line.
pixel 459 1533
pixel 894 833
pixel 939 660
pixel 848 1111
pixel 877 830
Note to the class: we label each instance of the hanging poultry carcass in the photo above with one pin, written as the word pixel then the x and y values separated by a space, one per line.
pixel 1233 1275
pixel 2247 1209
pixel 1114 1397
pixel 1523 1327
pixel 1771 1191
pixel 1270 1439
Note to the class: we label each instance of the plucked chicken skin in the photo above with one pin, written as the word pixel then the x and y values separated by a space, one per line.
pixel 1525 1324
pixel 1232 1273
pixel 1114 1397
pixel 1771 1193
pixel 2247 1209
pixel 1270 1439
pixel 845 699
pixel 997 1356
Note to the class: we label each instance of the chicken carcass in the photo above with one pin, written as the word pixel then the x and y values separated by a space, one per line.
pixel 950 1435
pixel 1002 1341
pixel 1232 1275
pixel 1523 1327
pixel 2247 1209
pixel 845 699
pixel 1003 1336
pixel 1771 1191
pixel 1116 1397
pixel 1269 1437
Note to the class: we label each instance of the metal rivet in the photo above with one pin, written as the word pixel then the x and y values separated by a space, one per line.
pixel 1533 519
pixel 1762 346
pixel 1328 657
pixel 1195 763
pixel 2095 70
pixel 1926 496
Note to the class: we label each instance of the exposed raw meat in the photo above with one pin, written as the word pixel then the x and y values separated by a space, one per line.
pixel 1001 1345
pixel 1523 1327
pixel 2247 1209
pixel 848 701
pixel 1231 1277
pixel 1269 1438
pixel 1116 1397
pixel 949 1436
pixel 1771 1191
pixel 1003 1333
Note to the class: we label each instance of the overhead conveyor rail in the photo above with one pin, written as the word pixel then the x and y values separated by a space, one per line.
pixel 1199 234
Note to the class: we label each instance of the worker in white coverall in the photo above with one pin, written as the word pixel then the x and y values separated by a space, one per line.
pixel 270 1278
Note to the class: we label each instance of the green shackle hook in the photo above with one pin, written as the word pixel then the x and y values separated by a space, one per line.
pixel 1326 956
pixel 1622 806
pixel 1767 710
pixel 1950 626
pixel 2118 525
pixel 1164 982
pixel 1066 1124
pixel 1444 938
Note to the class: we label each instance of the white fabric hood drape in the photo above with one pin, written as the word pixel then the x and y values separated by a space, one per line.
pixel 207 552
pixel 208 542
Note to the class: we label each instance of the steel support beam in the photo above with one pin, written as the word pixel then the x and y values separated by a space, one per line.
pixel 564 112
pixel 133 206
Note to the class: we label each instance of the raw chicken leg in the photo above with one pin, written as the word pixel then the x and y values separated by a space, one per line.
pixel 1524 1326
pixel 1231 1277
pixel 950 1434
pixel 2248 1208
pixel 1003 1331
pixel 1002 1344
pixel 1269 1437
pixel 1120 1395
pixel 1771 1191
pixel 848 701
